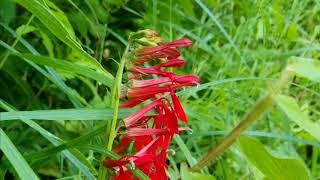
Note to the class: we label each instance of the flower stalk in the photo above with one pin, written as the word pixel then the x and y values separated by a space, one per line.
pixel 144 139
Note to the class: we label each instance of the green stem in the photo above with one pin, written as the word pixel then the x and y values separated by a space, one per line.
pixel 314 165
pixel 14 44
pixel 259 109
pixel 115 100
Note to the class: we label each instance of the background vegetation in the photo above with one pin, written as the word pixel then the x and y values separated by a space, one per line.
pixel 64 54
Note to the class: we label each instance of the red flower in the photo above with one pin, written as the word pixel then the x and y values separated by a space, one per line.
pixel 151 128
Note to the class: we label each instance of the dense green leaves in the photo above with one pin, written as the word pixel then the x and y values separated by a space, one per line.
pixel 57 57
pixel 271 167
pixel 55 20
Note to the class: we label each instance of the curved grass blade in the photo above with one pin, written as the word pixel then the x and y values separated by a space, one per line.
pixel 16 159
pixel 69 67
pixel 221 28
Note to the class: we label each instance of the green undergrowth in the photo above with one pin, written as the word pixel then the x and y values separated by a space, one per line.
pixel 59 60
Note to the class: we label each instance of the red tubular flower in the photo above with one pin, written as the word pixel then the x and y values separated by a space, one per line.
pixel 151 128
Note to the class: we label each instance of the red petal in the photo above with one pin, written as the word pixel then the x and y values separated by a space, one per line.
pixel 124 143
pixel 187 79
pixel 151 50
pixel 148 92
pixel 181 43
pixel 133 118
pixel 146 148
pixel 133 102
pixel 110 163
pixel 147 71
pixel 171 53
pixel 172 63
pixel 142 141
pixel 145 132
pixel 142 60
pixel 149 82
pixel 178 108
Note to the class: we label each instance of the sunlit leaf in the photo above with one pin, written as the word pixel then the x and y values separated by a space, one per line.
pixel 271 167
pixel 305 67
pixel 293 111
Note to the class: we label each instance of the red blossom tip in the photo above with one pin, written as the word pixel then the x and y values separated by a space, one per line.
pixel 180 43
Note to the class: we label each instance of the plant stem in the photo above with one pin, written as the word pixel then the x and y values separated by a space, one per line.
pixel 259 109
pixel 314 161
pixel 115 95
pixel 115 100
pixel 14 44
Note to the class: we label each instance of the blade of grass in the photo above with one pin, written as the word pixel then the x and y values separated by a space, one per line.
pixel 16 159
pixel 69 67
pixel 121 39
pixel 191 160
pixel 64 114
pixel 221 28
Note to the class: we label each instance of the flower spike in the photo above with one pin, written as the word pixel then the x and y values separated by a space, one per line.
pixel 150 129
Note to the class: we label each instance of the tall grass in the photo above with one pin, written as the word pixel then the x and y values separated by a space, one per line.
pixel 61 59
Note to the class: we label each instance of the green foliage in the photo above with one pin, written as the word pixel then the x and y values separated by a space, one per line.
pixel 59 60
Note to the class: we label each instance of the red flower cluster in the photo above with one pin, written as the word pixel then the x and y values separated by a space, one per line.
pixel 151 128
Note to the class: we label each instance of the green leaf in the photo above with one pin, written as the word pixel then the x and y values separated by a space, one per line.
pixel 16 159
pixel 272 168
pixel 69 67
pixel 305 67
pixel 293 111
pixel 64 114
pixel 60 16
pixel 186 174
pixel 58 24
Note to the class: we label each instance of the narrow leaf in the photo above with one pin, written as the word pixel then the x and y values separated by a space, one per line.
pixel 63 114
pixel 16 159
pixel 69 67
